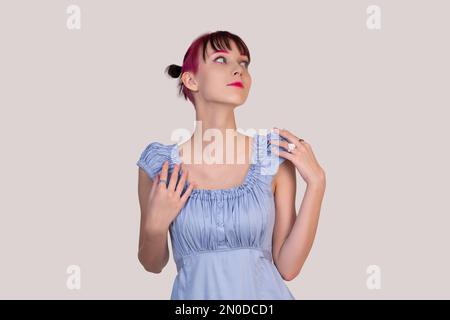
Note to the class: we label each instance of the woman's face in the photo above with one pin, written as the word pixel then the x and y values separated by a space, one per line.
pixel 215 75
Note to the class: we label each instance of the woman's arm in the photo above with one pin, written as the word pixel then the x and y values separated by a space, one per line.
pixel 153 250
pixel 160 204
pixel 293 234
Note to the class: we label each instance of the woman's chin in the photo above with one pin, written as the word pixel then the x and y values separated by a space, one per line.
pixel 235 99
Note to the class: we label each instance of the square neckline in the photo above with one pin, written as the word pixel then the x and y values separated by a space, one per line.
pixel 245 184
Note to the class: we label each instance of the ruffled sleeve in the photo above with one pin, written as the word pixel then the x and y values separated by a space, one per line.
pixel 153 157
pixel 269 160
pixel 275 136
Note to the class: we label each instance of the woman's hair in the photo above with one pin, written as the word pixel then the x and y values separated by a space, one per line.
pixel 218 40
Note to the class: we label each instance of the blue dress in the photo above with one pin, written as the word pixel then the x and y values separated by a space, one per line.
pixel 222 238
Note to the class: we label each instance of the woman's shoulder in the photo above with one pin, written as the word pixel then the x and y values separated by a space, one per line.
pixel 264 141
pixel 265 155
pixel 154 155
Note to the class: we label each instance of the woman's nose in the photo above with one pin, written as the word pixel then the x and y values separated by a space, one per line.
pixel 238 70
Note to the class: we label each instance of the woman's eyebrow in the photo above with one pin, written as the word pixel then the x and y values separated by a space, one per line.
pixel 225 51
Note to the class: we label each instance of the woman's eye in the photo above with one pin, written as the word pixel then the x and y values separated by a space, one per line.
pixel 220 57
pixel 246 63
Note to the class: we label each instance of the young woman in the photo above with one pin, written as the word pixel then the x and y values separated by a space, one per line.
pixel 234 230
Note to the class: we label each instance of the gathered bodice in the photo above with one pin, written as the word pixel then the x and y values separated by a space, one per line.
pixel 216 221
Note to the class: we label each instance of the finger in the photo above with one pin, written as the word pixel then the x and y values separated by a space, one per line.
pixel 187 193
pixel 163 175
pixel 283 144
pixel 289 136
pixel 277 139
pixel 155 184
pixel 174 177
pixel 283 154
pixel 181 183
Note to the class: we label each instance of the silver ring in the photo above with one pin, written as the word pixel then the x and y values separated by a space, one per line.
pixel 162 180
pixel 291 147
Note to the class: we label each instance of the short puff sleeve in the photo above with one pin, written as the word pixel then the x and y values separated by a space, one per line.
pixel 153 157
pixel 269 160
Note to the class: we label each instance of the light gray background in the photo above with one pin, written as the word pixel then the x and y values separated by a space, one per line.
pixel 78 107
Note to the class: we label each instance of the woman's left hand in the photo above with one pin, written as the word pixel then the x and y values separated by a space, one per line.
pixel 302 157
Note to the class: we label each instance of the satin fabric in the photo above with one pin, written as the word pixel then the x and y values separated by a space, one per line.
pixel 222 238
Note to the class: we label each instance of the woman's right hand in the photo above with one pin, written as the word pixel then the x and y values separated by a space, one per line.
pixel 165 201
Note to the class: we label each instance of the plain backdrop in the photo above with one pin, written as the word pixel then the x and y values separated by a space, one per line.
pixel 79 106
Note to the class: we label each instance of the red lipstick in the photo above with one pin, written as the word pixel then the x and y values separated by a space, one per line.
pixel 236 84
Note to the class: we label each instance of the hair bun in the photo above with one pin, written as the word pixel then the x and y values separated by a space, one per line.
pixel 173 70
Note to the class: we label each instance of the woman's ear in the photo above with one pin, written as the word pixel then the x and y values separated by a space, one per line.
pixel 189 81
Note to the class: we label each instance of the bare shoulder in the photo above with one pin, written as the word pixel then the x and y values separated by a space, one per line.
pixel 285 175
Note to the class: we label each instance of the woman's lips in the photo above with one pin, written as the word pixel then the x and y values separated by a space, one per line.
pixel 236 84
